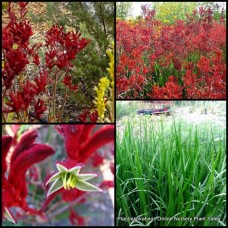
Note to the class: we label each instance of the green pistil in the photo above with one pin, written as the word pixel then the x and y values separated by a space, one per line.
pixel 69 180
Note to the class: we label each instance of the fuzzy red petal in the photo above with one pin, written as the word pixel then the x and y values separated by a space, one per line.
pixel 34 154
pixel 100 138
pixel 86 132
pixel 6 143
pixel 26 141
pixel 72 134
pixel 6 198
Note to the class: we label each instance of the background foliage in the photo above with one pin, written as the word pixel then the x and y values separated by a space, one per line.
pixel 95 21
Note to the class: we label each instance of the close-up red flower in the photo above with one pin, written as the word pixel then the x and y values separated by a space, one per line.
pixel 16 162
pixel 72 175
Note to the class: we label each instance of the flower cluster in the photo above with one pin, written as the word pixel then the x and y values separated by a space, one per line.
pixel 70 181
pixel 62 48
pixel 17 54
pixel 100 100
pixel 185 59
pixel 81 146
pixel 104 110
pixel 110 70
pixel 22 91
pixel 24 155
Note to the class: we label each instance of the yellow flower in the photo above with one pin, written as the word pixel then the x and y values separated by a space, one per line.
pixel 100 100
pixel 110 70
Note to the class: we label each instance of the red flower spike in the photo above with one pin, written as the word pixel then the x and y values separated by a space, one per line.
pixel 26 141
pixel 87 131
pixel 6 143
pixel 94 116
pixel 83 116
pixel 72 134
pixel 7 202
pixel 39 108
pixel 101 137
pixel 34 154
pixel 41 82
pixel 79 146
pixel 14 189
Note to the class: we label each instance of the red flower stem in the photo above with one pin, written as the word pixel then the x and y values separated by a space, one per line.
pixel 54 94
pixel 64 102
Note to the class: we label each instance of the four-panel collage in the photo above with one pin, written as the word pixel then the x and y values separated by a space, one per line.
pixel 113 114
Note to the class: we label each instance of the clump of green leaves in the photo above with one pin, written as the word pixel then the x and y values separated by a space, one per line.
pixel 171 169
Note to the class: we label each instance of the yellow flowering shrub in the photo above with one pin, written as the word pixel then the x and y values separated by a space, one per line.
pixel 168 12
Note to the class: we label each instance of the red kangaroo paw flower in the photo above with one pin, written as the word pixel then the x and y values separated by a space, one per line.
pixel 79 145
pixel 72 134
pixel 26 141
pixel 41 82
pixel 34 154
pixel 94 116
pixel 87 131
pixel 6 143
pixel 100 138
pixel 39 108
pixel 69 163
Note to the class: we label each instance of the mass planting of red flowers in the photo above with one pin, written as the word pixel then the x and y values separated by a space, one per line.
pixel 182 60
pixel 17 54
pixel 19 156
pixel 21 91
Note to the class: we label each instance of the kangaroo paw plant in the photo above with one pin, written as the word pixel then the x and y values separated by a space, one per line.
pixel 72 181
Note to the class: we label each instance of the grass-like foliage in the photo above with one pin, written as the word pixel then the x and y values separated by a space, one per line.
pixel 170 173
